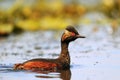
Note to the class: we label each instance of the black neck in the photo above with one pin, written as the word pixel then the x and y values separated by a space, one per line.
pixel 64 46
pixel 64 55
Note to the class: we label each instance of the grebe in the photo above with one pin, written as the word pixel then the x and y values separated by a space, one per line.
pixel 61 63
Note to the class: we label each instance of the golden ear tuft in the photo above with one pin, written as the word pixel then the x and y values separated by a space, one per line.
pixel 67 34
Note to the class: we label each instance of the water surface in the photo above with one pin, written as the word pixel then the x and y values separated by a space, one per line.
pixel 97 57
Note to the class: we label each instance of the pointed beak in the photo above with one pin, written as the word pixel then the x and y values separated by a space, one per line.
pixel 79 36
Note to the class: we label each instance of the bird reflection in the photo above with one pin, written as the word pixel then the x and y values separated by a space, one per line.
pixel 65 74
pixel 62 74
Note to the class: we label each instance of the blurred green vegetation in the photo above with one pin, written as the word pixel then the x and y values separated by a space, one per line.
pixel 51 14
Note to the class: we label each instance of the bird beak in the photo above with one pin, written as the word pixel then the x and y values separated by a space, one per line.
pixel 79 36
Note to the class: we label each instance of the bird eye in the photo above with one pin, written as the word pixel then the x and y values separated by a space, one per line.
pixel 72 34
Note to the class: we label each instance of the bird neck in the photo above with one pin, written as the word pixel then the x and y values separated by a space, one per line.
pixel 64 55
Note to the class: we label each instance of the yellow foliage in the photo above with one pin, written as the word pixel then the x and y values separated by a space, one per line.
pixel 55 5
pixel 108 3
pixel 53 23
pixel 52 5
pixel 6 28
pixel 28 24
pixel 81 10
pixel 44 23
pixel 27 11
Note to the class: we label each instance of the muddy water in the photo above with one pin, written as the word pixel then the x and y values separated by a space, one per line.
pixel 96 57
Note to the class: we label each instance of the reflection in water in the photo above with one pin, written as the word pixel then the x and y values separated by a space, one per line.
pixel 63 74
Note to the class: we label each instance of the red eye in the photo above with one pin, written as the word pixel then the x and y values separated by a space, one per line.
pixel 72 34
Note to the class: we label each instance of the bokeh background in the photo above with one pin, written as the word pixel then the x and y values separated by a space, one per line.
pixel 32 15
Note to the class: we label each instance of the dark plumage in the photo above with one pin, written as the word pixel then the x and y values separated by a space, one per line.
pixel 62 62
pixel 71 29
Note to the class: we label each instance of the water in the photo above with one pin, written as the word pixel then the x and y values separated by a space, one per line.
pixel 97 57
